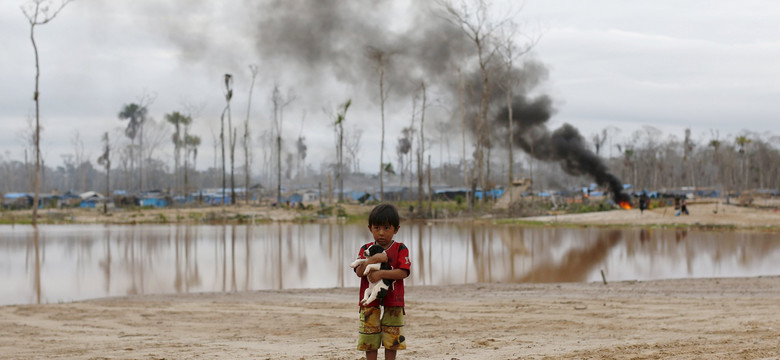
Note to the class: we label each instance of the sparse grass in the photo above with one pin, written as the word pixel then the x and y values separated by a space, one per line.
pixel 242 219
pixel 581 208
pixel 355 213
pixel 161 218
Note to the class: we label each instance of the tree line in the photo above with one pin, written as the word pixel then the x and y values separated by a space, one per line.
pixel 646 159
pixel 490 113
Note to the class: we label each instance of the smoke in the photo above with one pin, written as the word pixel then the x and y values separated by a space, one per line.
pixel 301 146
pixel 334 37
pixel 564 145
pixel 323 40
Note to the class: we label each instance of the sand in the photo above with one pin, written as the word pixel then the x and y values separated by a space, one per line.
pixel 728 318
pixel 715 214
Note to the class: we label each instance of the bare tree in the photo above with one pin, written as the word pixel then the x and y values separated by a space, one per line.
pixel 105 160
pixel 443 130
pixel 39 12
pixel 228 96
pixel 338 125
pixel 78 154
pixel 598 140
pixel 381 58
pixel 403 148
pixel 510 51
pixel 421 148
pixel 157 135
pixel 27 138
pixel 280 102
pixel 300 145
pixel 215 142
pixel 410 133
pixel 463 131
pixel 232 138
pixel 473 18
pixel 715 144
pixel 191 143
pixel 246 143
pixel 267 139
pixel 352 143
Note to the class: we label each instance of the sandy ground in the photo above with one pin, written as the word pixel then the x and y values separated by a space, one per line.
pixel 710 213
pixel 734 318
pixel 701 214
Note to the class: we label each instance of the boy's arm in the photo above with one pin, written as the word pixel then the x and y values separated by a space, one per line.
pixel 374 259
pixel 395 274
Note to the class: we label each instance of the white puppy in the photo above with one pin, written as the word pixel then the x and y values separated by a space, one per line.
pixel 378 289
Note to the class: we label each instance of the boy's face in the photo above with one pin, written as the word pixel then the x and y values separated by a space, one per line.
pixel 383 234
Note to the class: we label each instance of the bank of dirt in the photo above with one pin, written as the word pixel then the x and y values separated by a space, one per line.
pixel 715 214
pixel 709 214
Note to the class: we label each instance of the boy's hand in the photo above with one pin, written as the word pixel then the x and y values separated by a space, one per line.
pixel 374 276
pixel 378 258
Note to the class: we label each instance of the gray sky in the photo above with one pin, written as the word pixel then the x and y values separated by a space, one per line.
pixel 704 65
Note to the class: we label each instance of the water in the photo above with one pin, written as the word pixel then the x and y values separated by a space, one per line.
pixel 74 262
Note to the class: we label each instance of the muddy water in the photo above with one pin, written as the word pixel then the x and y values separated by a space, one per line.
pixel 66 263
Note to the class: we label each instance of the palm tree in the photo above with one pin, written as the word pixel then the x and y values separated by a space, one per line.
pixel 178 121
pixel 136 114
pixel 191 143
pixel 339 126
pixel 741 142
pixel 105 160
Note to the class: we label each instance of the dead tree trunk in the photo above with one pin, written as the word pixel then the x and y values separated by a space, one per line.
pixel 38 13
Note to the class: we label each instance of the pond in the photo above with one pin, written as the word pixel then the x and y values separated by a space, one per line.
pixel 75 262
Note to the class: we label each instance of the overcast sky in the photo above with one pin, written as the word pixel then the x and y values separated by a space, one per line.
pixel 711 66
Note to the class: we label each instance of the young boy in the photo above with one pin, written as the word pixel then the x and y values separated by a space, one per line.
pixel 383 222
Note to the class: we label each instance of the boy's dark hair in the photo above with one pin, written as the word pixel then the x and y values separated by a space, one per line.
pixel 384 214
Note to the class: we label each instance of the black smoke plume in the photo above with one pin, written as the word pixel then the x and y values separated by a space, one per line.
pixel 333 37
pixel 322 39
pixel 564 145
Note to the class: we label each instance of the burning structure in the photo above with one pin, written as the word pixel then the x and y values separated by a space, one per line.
pixel 564 145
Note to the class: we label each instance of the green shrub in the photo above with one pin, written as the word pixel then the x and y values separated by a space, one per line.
pixel 341 212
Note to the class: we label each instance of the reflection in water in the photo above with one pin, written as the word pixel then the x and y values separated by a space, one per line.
pixel 37 265
pixel 64 263
pixel 576 264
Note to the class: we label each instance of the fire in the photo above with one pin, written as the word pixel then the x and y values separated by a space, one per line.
pixel 625 205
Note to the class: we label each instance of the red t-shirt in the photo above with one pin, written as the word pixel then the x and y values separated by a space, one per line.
pixel 398 258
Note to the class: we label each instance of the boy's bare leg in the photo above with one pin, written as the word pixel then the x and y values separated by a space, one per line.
pixel 371 355
pixel 389 354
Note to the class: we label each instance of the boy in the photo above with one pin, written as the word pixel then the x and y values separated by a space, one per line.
pixel 383 222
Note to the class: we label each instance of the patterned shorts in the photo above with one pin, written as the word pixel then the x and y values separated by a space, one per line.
pixel 388 331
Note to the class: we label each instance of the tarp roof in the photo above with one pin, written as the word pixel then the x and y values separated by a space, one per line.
pixel 90 195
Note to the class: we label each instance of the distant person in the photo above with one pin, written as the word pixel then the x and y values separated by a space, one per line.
pixel 643 203
pixel 677 205
pixel 376 331
pixel 683 207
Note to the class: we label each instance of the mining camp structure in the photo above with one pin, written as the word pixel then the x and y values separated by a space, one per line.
pixel 514 193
